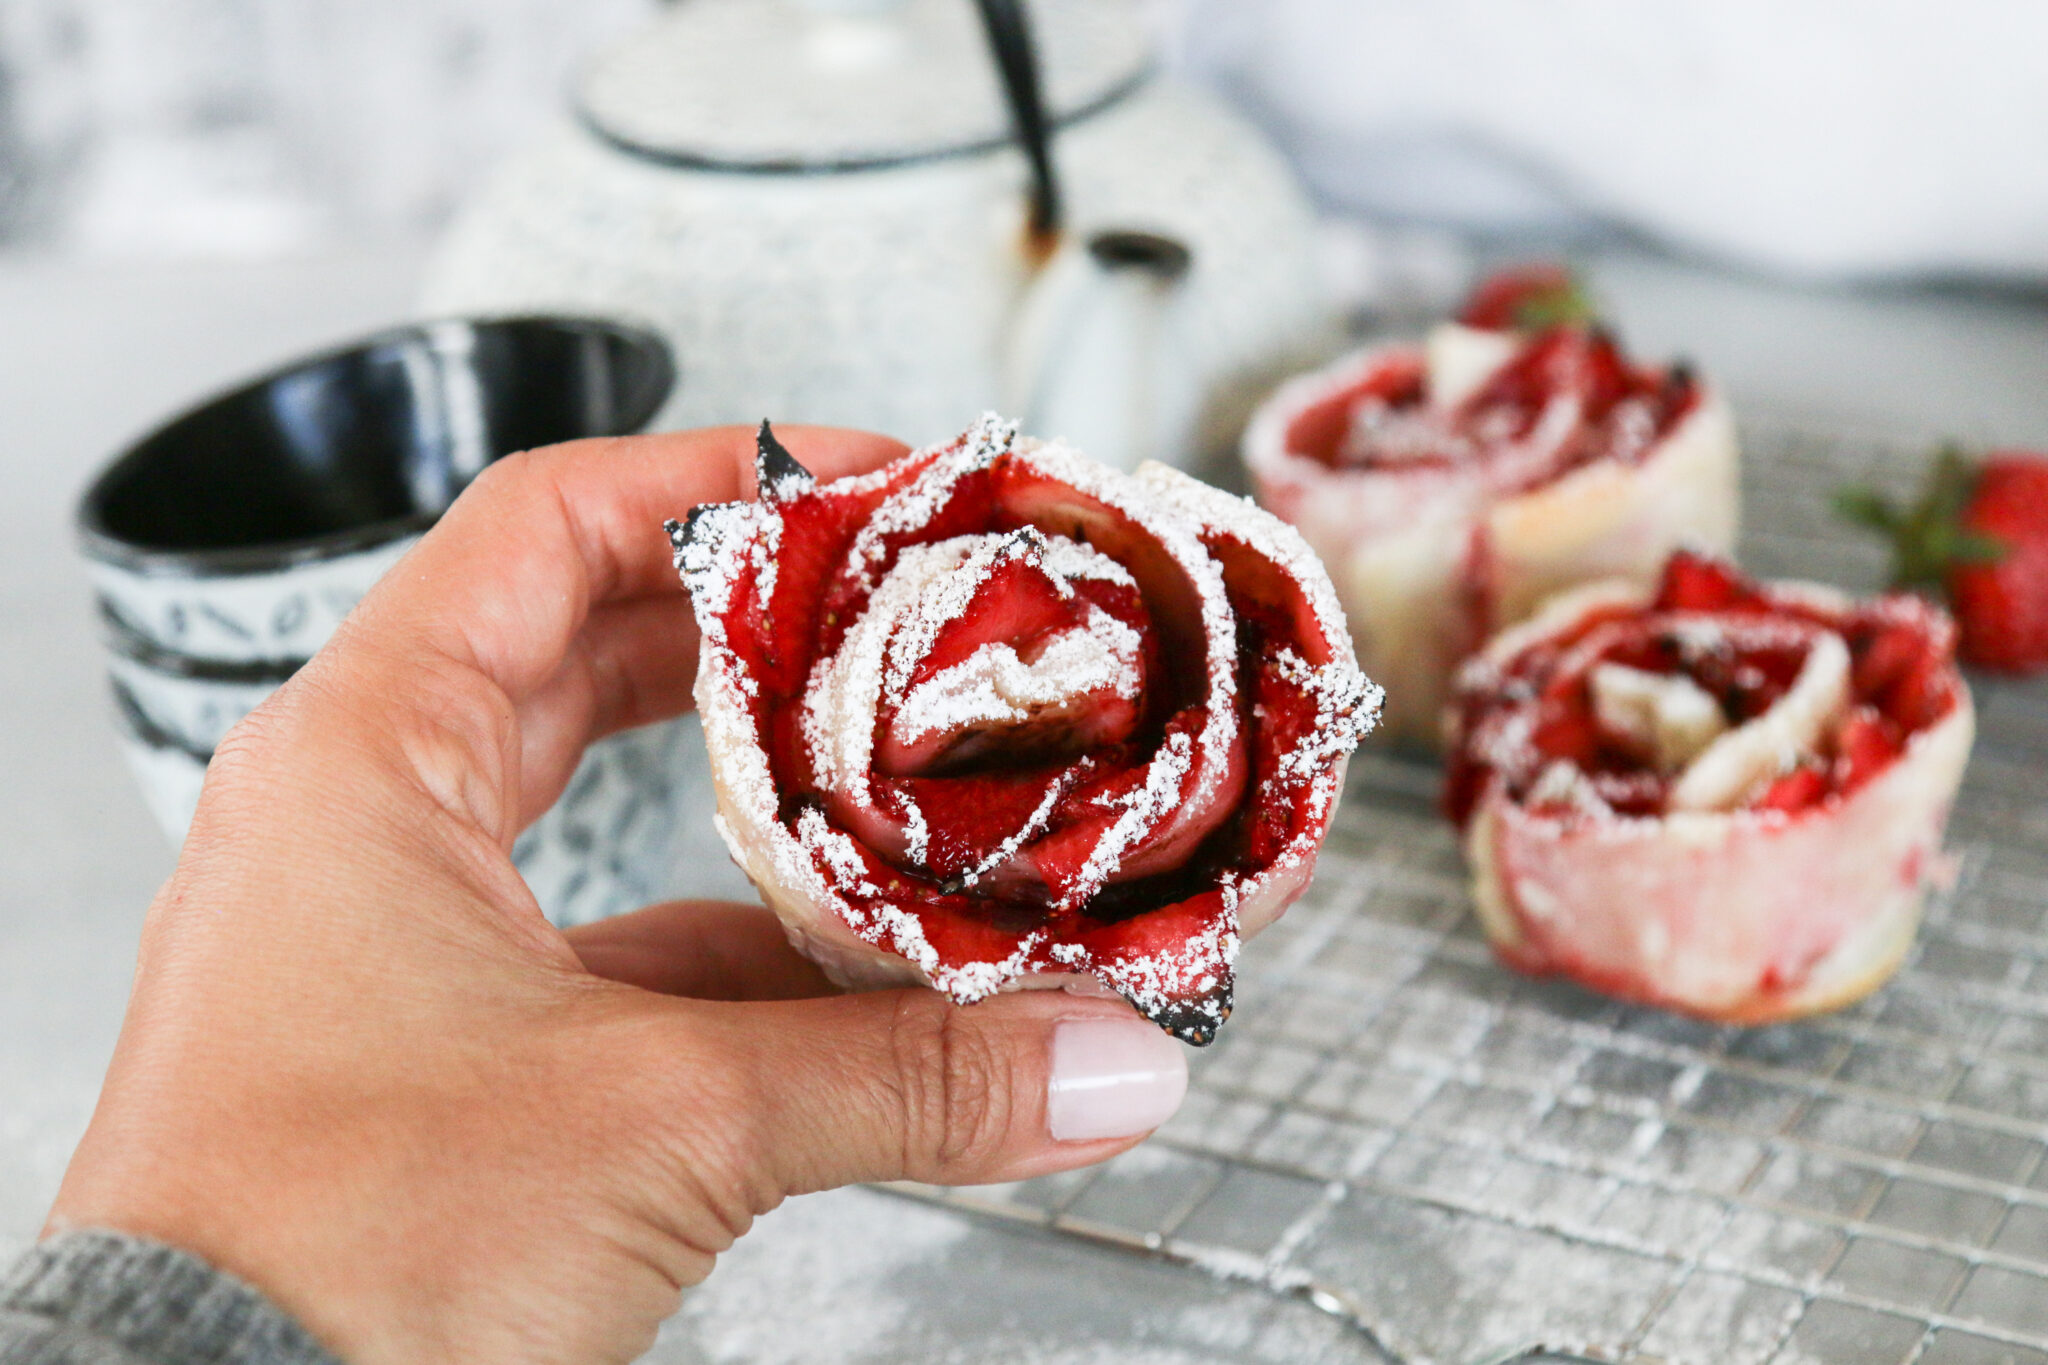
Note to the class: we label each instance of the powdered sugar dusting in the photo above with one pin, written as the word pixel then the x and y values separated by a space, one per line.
pixel 968 982
pixel 1143 809
pixel 912 508
pixel 1033 826
pixel 1224 517
pixel 871 914
pixel 917 834
pixel 1180 536
pixel 1215 746
pixel 1347 703
pixel 827 871
pixel 836 853
pixel 1563 784
pixel 941 581
pixel 1189 979
pixel 1266 449
pixel 928 588
pixel 712 549
pixel 844 693
pixel 1070 559
pixel 1692 755
pixel 993 686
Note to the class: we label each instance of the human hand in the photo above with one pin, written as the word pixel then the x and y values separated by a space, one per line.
pixel 360 1070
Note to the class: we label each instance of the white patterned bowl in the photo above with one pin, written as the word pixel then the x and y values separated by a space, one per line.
pixel 227 545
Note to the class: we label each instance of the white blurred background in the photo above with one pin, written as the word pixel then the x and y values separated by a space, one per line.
pixel 1807 138
pixel 242 128
pixel 1822 139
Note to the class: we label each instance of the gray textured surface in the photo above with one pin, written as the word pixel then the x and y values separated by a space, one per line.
pixel 88 356
pixel 1470 1162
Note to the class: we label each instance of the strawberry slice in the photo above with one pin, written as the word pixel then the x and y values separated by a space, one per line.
pixel 1865 746
pixel 1017 604
pixel 1884 655
pixel 1319 430
pixel 974 823
pixel 1794 792
pixel 1570 386
pixel 817 526
pixel 1696 582
pixel 1923 694
pixel 1566 730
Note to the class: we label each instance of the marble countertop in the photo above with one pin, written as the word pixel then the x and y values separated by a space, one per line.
pixel 90 354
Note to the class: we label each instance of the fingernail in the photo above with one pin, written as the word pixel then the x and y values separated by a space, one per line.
pixel 1112 1078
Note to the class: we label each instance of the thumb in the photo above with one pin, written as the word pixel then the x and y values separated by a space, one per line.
pixel 905 1085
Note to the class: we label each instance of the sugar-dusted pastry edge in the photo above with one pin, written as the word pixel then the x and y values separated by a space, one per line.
pixel 1398 546
pixel 1896 820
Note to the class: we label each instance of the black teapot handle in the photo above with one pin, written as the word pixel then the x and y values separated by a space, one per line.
pixel 1009 39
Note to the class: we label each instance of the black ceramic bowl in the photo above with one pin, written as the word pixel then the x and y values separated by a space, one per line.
pixel 243 529
pixel 365 442
pixel 227 544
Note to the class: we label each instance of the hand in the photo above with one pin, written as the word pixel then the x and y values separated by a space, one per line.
pixel 360 1070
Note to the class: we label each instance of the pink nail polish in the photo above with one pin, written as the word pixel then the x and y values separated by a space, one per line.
pixel 1112 1078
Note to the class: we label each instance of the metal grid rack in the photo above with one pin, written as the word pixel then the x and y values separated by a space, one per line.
pixel 1468 1165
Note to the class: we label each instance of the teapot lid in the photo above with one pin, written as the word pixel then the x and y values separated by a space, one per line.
pixel 824 85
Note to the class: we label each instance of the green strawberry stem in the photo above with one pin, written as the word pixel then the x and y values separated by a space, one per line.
pixel 1567 305
pixel 1928 538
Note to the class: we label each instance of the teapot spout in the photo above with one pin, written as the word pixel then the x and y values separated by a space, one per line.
pixel 1095 356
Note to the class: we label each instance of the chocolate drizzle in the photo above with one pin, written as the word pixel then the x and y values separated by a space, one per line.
pixel 779 473
pixel 1194 1021
pixel 685 533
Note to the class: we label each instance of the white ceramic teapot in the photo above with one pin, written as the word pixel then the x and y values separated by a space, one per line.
pixel 823 206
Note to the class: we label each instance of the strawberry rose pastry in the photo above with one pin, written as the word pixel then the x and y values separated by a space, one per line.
pixel 995 716
pixel 1451 487
pixel 1718 796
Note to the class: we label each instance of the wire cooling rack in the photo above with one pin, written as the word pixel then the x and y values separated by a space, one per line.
pixel 1470 1166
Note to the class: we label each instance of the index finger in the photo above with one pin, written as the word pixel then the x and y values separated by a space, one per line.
pixel 541 610
pixel 506 580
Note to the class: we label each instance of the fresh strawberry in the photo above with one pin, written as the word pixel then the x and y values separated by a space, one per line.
pixel 1528 297
pixel 2002 605
pixel 1979 533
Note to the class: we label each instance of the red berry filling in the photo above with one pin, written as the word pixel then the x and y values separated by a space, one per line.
pixel 1019 719
pixel 1739 643
pixel 1565 399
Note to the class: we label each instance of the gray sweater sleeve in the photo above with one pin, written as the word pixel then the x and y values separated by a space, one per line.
pixel 103 1298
